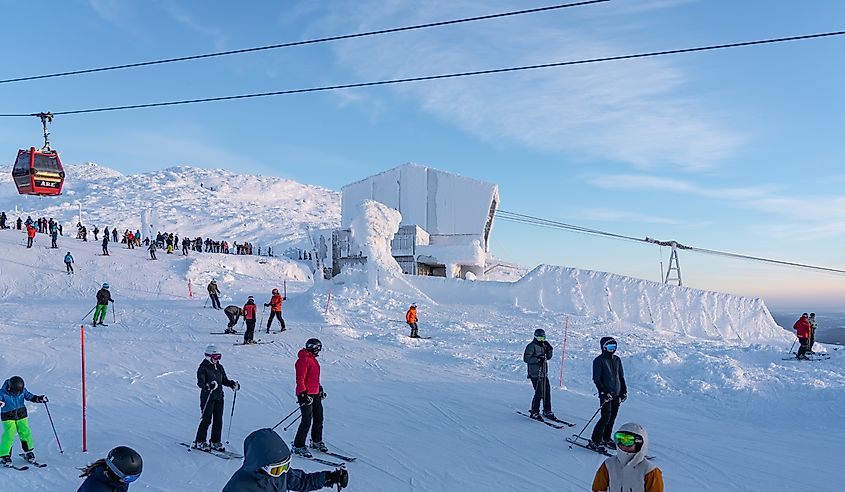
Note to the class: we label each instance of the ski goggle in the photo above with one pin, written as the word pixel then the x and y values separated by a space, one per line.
pixel 610 347
pixel 214 357
pixel 277 469
pixel 120 475
pixel 627 439
pixel 540 339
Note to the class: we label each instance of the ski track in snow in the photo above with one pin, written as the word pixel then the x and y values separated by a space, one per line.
pixel 421 415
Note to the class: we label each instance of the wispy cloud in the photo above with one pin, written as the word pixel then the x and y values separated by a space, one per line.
pixel 191 22
pixel 119 13
pixel 612 215
pixel 632 112
pixel 647 182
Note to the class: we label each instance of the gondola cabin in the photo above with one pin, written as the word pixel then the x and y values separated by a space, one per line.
pixel 38 172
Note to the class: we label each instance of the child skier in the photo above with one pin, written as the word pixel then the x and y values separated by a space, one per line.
pixel 211 377
pixel 411 319
pixel 310 396
pixel 267 467
pixel 113 473
pixel 629 469
pixel 13 414
pixel 275 309
pixel 69 263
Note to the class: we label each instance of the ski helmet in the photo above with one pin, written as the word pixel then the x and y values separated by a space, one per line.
pixel 608 344
pixel 275 291
pixel 213 353
pixel 314 345
pixel 125 463
pixel 213 281
pixel 540 334
pixel 16 385
pixel 105 285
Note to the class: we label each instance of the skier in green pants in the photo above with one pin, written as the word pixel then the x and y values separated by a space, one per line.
pixel 13 411
pixel 103 300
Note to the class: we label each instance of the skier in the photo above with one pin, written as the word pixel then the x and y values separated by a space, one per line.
pixel 105 244
pixel 96 231
pixel 69 263
pixel 802 329
pixel 152 250
pixel 54 236
pixel 233 313
pixel 629 469
pixel 19 223
pixel 275 309
pixel 249 311
pixel 213 291
pixel 310 396
pixel 211 377
pixel 813 325
pixel 113 473
pixel 114 234
pixel 411 319
pixel 30 235
pixel 609 379
pixel 536 355
pixel 3 220
pixel 185 243
pixel 103 300
pixel 267 468
pixel 13 414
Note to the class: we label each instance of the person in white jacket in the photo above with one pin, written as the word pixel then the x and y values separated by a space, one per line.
pixel 629 470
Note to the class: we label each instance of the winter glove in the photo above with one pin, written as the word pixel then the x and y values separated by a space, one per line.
pixel 322 393
pixel 211 386
pixel 40 399
pixel 236 386
pixel 266 304
pixel 303 399
pixel 623 397
pixel 339 477
pixel 2 403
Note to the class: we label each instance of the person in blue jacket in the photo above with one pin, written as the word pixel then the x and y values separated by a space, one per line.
pixel 113 473
pixel 69 263
pixel 267 468
pixel 13 414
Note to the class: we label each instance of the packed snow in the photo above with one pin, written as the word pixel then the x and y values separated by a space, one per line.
pixel 705 371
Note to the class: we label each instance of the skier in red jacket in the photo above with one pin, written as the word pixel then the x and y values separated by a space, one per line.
pixel 275 305
pixel 310 395
pixel 802 329
pixel 249 312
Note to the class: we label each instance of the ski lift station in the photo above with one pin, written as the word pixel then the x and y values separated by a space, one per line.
pixel 445 227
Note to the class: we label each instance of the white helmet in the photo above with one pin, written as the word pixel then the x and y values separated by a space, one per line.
pixel 212 350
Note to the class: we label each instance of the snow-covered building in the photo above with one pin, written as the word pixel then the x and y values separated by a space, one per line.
pixel 446 220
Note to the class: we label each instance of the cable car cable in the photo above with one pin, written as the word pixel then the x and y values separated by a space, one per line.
pixel 552 224
pixel 443 76
pixel 302 43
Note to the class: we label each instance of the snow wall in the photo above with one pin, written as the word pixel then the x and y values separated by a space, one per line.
pixel 615 298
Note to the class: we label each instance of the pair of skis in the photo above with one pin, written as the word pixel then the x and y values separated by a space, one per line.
pixel 256 342
pixel 582 442
pixel 554 423
pixel 344 459
pixel 25 467
pixel 816 357
pixel 226 455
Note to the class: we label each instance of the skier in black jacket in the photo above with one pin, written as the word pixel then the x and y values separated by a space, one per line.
pixel 233 313
pixel 610 382
pixel 267 468
pixel 211 377
pixel 536 355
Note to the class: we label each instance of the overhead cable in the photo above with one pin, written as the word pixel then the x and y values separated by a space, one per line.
pixel 441 76
pixel 300 43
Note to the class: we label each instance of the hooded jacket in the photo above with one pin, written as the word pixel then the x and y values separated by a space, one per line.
pixel 802 327
pixel 264 447
pixel 14 408
pixel 411 315
pixel 629 472
pixel 608 375
pixel 99 481
pixel 532 354
pixel 307 373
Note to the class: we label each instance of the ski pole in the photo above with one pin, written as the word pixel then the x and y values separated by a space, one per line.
pixel 95 307
pixel 113 315
pixel 234 400
pixel 205 303
pixel 292 422
pixel 289 415
pixel 54 428
pixel 793 346
pixel 590 421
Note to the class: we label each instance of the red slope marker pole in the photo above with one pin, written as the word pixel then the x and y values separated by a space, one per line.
pixel 563 352
pixel 84 414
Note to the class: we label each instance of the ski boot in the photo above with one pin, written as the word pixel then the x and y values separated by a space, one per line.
pixel 536 416
pixel 550 415
pixel 303 451
pixel 319 446
pixel 217 446
pixel 596 447
pixel 202 446
pixel 29 456
pixel 229 331
pixel 5 460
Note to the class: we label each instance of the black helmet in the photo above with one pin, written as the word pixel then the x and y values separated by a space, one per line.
pixel 125 463
pixel 540 333
pixel 16 385
pixel 314 345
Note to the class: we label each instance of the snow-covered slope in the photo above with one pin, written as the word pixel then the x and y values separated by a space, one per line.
pixel 194 201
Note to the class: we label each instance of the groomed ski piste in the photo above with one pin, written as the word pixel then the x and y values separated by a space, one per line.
pixel 704 370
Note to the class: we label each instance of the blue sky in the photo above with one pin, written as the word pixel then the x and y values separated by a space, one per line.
pixel 737 150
